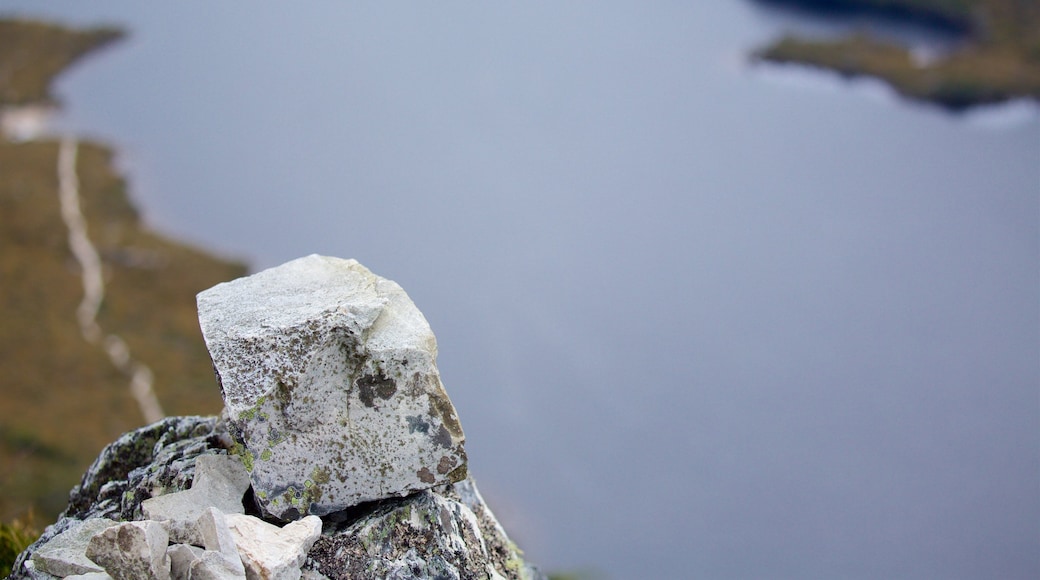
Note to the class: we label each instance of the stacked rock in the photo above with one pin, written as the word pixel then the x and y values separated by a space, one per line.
pixel 201 532
pixel 332 401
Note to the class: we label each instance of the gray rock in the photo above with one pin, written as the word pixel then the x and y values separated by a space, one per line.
pixel 132 551
pixel 182 556
pixel 222 558
pixel 272 553
pixel 194 563
pixel 216 536
pixel 89 576
pixel 65 554
pixel 28 571
pixel 407 530
pixel 505 555
pixel 329 378
pixel 152 460
pixel 220 481
pixel 216 566
pixel 446 532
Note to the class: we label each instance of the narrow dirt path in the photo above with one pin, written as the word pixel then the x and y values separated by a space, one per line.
pixel 94 287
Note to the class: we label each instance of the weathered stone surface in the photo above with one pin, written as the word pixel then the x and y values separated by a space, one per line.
pixel 89 576
pixel 222 558
pixel 329 378
pixel 220 481
pixel 216 566
pixel 216 536
pixel 152 460
pixel 194 563
pixel 505 556
pixel 272 553
pixel 66 554
pixel 446 532
pixel 132 551
pixel 181 558
pixel 382 537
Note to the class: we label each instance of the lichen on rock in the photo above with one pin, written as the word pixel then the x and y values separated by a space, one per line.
pixel 334 408
pixel 444 532
pixel 329 377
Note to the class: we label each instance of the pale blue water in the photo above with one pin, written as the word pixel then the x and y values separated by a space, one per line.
pixel 700 320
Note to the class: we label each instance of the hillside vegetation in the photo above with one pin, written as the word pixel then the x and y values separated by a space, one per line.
pixel 62 399
pixel 999 59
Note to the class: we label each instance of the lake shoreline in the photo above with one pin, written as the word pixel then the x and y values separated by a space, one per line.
pixel 65 394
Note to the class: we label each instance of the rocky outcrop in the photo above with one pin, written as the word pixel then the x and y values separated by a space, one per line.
pixel 186 497
pixel 443 532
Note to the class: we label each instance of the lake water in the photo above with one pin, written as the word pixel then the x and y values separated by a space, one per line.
pixel 700 319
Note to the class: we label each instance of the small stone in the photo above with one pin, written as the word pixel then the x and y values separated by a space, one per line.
pixel 132 551
pixel 216 566
pixel 270 552
pixel 218 541
pixel 220 481
pixel 329 378
pixel 65 554
pixel 181 558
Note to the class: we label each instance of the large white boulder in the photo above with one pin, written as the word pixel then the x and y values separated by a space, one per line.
pixel 329 378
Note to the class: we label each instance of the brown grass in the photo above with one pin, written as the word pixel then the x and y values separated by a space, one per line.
pixel 15 537
pixel 62 400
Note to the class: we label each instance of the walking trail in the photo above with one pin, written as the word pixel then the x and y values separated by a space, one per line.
pixel 94 288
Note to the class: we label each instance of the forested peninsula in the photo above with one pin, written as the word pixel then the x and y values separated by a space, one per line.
pixel 998 60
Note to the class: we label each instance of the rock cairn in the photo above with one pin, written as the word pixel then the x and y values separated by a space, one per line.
pixel 339 454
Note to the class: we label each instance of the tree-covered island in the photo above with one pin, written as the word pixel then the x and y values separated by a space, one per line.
pixel 999 59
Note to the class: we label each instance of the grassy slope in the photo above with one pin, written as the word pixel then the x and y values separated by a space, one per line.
pixel 1000 60
pixel 61 400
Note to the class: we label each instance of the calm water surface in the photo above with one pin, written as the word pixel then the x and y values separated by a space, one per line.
pixel 700 320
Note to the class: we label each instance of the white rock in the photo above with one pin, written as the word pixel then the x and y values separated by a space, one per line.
pixel 216 566
pixel 218 541
pixel 270 552
pixel 328 374
pixel 65 554
pixel 220 481
pixel 181 558
pixel 132 551
pixel 192 563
